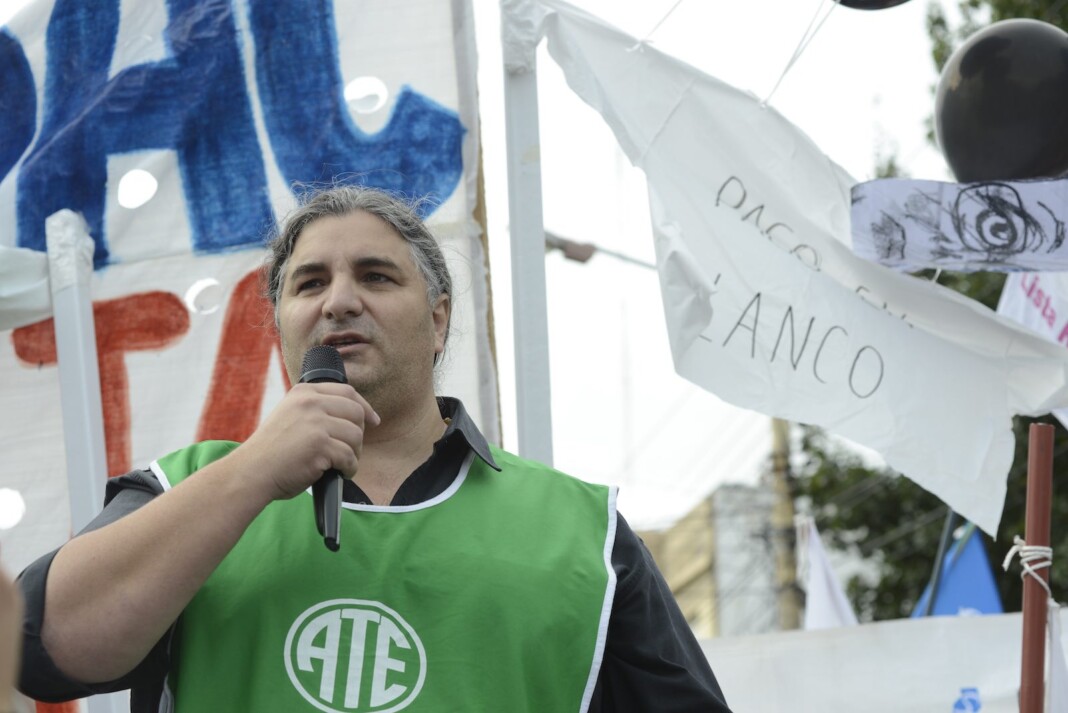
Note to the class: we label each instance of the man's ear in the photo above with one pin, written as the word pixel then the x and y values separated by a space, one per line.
pixel 441 314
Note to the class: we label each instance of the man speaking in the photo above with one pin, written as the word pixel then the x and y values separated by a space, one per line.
pixel 463 578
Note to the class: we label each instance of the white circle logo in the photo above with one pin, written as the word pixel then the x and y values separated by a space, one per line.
pixel 355 656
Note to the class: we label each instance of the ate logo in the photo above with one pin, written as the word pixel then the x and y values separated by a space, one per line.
pixel 355 656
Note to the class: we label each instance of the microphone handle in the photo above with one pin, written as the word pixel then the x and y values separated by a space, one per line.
pixel 326 494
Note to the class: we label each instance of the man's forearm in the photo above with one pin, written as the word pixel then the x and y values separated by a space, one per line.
pixel 113 593
pixel 10 616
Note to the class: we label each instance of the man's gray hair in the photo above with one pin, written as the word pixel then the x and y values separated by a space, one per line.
pixel 337 201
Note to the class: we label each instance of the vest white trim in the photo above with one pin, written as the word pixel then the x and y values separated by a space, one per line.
pixel 157 470
pixel 440 498
pixel 606 606
pixel 160 475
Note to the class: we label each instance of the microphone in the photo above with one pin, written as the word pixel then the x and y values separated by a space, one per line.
pixel 323 363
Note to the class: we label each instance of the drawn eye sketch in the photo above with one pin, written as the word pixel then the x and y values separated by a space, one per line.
pixel 991 218
pixel 1002 226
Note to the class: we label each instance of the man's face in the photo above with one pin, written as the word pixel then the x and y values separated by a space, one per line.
pixel 351 283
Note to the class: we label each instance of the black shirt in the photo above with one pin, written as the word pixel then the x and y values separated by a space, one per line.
pixel 652 661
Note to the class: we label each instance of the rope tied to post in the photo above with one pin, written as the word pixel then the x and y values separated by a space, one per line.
pixel 1032 559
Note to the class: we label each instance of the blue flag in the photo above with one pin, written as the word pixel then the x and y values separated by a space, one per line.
pixel 966 584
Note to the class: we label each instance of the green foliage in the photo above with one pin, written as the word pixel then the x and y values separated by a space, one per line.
pixel 894 525
pixel 1055 12
pixel 878 516
pixel 887 166
pixel 886 520
pixel 984 287
pixel 943 39
pixel 977 14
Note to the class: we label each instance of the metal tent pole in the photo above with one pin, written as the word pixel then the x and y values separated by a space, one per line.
pixel 70 269
pixel 529 309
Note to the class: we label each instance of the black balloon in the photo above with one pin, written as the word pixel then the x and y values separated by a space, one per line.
pixel 1001 108
pixel 871 4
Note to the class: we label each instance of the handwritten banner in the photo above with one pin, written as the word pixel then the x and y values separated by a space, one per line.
pixel 1039 301
pixel 766 305
pixel 226 106
pixel 995 225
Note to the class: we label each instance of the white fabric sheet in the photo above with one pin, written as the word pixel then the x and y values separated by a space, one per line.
pixel 932 664
pixel 766 305
pixel 24 294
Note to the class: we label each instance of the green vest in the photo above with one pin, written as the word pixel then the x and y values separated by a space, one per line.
pixel 493 596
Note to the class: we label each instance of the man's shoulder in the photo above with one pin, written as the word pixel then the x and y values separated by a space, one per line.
pixel 512 464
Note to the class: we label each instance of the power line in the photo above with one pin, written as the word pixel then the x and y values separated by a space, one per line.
pixel 902 530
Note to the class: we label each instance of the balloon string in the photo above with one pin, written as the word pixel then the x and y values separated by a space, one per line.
pixel 656 27
pixel 806 38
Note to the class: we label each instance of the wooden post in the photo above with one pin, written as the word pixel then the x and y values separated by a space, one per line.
pixel 782 528
pixel 1035 598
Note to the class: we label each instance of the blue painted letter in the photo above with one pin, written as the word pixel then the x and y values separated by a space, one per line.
pixel 18 102
pixel 195 102
pixel 313 136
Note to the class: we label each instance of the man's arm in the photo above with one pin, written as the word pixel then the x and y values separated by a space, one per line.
pixel 652 661
pixel 39 678
pixel 10 616
pixel 112 593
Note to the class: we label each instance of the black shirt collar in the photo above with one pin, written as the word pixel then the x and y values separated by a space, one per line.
pixel 461 425
pixel 439 471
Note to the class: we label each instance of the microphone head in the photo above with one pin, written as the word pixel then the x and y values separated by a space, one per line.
pixel 322 363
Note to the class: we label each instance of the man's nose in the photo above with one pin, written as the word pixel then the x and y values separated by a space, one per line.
pixel 342 298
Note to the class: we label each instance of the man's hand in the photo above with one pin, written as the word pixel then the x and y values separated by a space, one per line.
pixel 110 597
pixel 316 427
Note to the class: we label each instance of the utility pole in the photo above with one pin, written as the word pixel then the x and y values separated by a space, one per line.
pixel 783 534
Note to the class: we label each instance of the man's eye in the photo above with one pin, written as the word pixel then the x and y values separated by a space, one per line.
pixel 309 284
pixel 377 277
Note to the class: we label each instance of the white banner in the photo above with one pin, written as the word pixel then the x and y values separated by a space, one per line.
pixel 995 225
pixel 939 664
pixel 225 104
pixel 1039 301
pixel 766 305
pixel 24 293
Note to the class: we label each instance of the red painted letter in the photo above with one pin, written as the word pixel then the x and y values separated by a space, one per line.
pixel 149 320
pixel 237 384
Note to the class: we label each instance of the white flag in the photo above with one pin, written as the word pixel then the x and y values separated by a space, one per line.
pixel 826 605
pixel 1057 685
pixel 766 305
